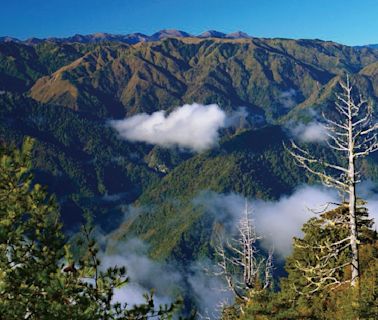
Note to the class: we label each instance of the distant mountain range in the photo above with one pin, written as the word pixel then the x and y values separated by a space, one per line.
pixel 131 38
pixel 136 37
pixel 371 46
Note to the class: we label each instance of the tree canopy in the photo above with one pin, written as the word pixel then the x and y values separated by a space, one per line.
pixel 39 278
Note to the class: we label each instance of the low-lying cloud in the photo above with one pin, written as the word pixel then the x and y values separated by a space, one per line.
pixel 310 132
pixel 165 279
pixel 192 126
pixel 210 292
pixel 277 221
pixel 280 221
pixel 368 191
pixel 288 98
pixel 144 274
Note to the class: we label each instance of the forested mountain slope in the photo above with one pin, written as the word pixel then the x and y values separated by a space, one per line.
pixel 64 94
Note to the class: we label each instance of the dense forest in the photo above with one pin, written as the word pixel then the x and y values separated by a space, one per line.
pixel 65 109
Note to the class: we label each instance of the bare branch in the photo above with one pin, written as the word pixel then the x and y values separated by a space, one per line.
pixel 239 260
pixel 353 136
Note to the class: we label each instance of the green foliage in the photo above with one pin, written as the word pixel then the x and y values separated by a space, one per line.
pixel 39 279
pixel 169 219
pixel 31 241
pixel 79 158
pixel 259 307
pixel 297 298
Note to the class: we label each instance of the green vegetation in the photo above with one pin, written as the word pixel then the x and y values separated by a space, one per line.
pixel 168 207
pixel 39 278
pixel 80 159
pixel 297 298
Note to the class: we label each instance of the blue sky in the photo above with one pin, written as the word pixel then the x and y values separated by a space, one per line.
pixel 349 22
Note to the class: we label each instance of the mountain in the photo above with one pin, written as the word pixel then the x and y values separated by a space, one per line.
pixel 131 38
pixel 64 94
pixel 371 46
pixel 33 41
pixel 237 35
pixel 21 65
pixel 249 163
pixel 102 37
pixel 212 34
pixel 9 39
pixel 268 76
pixel 169 33
pixel 134 38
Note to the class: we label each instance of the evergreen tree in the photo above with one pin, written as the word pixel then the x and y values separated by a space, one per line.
pixel 334 300
pixel 39 278
pixel 301 295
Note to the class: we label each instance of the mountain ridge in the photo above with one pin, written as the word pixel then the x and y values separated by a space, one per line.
pixel 137 37
pixel 257 73
pixel 130 38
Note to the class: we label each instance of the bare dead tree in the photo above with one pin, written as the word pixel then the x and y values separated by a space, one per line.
pixel 244 269
pixel 353 135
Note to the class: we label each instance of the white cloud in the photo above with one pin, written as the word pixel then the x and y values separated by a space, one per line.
pixel 192 126
pixel 311 132
pixel 209 291
pixel 367 190
pixel 226 208
pixel 144 274
pixel 288 98
pixel 277 221
pixel 165 279
pixel 280 221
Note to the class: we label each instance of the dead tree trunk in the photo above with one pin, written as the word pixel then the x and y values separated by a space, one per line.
pixel 352 191
pixel 245 272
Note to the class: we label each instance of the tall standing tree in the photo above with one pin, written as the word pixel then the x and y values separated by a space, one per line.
pixel 352 134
